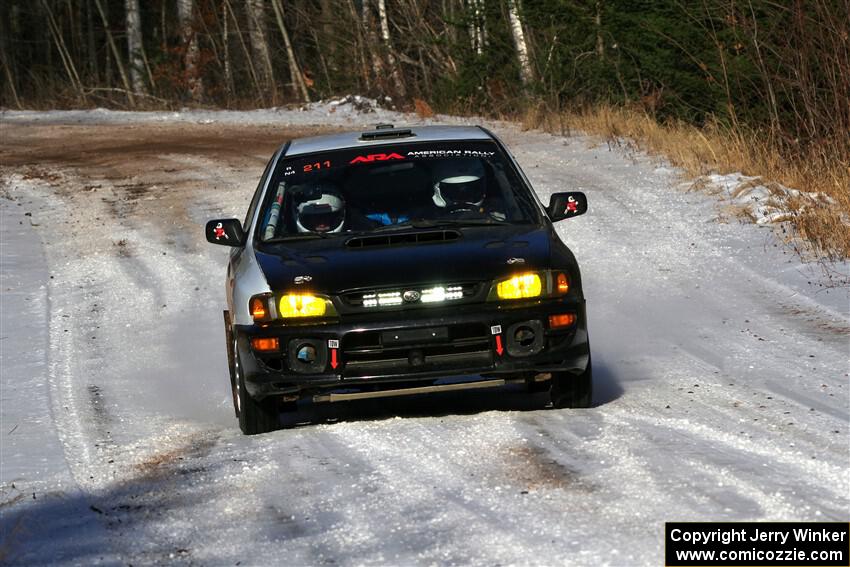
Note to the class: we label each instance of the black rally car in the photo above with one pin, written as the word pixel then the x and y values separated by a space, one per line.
pixel 399 261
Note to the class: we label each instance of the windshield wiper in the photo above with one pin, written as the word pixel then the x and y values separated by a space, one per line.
pixel 301 236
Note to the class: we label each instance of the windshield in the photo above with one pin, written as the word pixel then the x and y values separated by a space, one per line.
pixel 387 187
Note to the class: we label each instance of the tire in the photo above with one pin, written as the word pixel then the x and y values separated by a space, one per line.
pixel 255 416
pixel 571 390
pixel 230 344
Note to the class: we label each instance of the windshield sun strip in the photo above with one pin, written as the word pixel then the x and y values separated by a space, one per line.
pixel 501 164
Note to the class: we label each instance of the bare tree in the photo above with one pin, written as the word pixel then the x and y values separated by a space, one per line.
pixel 130 98
pixel 298 84
pixel 259 44
pixel 5 61
pixel 478 27
pixel 134 45
pixel 395 70
pixel 360 47
pixel 191 52
pixel 525 71
pixel 225 40
pixel 64 53
pixel 372 42
pixel 597 21
pixel 244 47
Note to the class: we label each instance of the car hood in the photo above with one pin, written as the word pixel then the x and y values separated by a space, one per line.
pixel 329 266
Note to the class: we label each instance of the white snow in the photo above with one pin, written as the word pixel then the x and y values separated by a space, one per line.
pixel 765 203
pixel 720 358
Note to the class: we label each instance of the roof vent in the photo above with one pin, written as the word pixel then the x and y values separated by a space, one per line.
pixel 386 131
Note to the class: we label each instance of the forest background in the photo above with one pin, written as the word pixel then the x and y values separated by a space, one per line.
pixel 760 87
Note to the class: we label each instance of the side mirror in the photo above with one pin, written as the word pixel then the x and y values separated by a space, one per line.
pixel 227 232
pixel 566 205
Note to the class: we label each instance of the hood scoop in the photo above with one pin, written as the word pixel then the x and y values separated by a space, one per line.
pixel 407 238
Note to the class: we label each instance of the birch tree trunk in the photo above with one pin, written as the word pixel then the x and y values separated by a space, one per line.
pixel 372 43
pixel 298 84
pixel 191 53
pixel 225 40
pixel 259 44
pixel 597 20
pixel 395 71
pixel 525 71
pixel 478 29
pixel 134 45
pixel 244 47
pixel 91 52
pixel 361 50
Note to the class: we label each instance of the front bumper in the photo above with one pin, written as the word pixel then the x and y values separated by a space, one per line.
pixel 385 350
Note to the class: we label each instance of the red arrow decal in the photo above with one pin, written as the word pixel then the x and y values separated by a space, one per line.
pixel 499 349
pixel 334 363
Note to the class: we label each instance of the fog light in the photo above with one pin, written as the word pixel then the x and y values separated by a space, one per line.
pixel 306 354
pixel 264 344
pixel 562 320
pixel 524 337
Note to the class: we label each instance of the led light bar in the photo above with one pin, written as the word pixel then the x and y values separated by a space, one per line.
pixel 389 298
pixel 382 299
pixel 436 294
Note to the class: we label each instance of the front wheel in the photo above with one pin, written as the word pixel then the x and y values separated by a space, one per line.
pixel 255 416
pixel 571 390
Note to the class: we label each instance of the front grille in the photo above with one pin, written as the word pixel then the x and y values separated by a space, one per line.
pixel 413 296
pixel 367 353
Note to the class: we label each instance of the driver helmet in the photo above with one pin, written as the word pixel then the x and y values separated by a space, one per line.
pixel 319 208
pixel 459 182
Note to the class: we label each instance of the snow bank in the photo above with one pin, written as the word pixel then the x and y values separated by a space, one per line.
pixel 338 111
pixel 765 202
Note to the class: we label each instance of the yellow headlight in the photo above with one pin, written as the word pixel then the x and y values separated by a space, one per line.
pixel 519 287
pixel 305 305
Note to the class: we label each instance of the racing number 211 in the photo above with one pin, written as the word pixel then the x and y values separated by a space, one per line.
pixel 318 165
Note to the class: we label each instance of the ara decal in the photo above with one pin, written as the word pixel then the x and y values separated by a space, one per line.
pixel 219 232
pixel 376 157
pixel 572 205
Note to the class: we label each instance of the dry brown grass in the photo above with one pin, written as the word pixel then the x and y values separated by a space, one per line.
pixel 423 109
pixel 714 148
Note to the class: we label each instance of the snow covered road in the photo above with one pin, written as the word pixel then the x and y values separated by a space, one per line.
pixel 721 366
